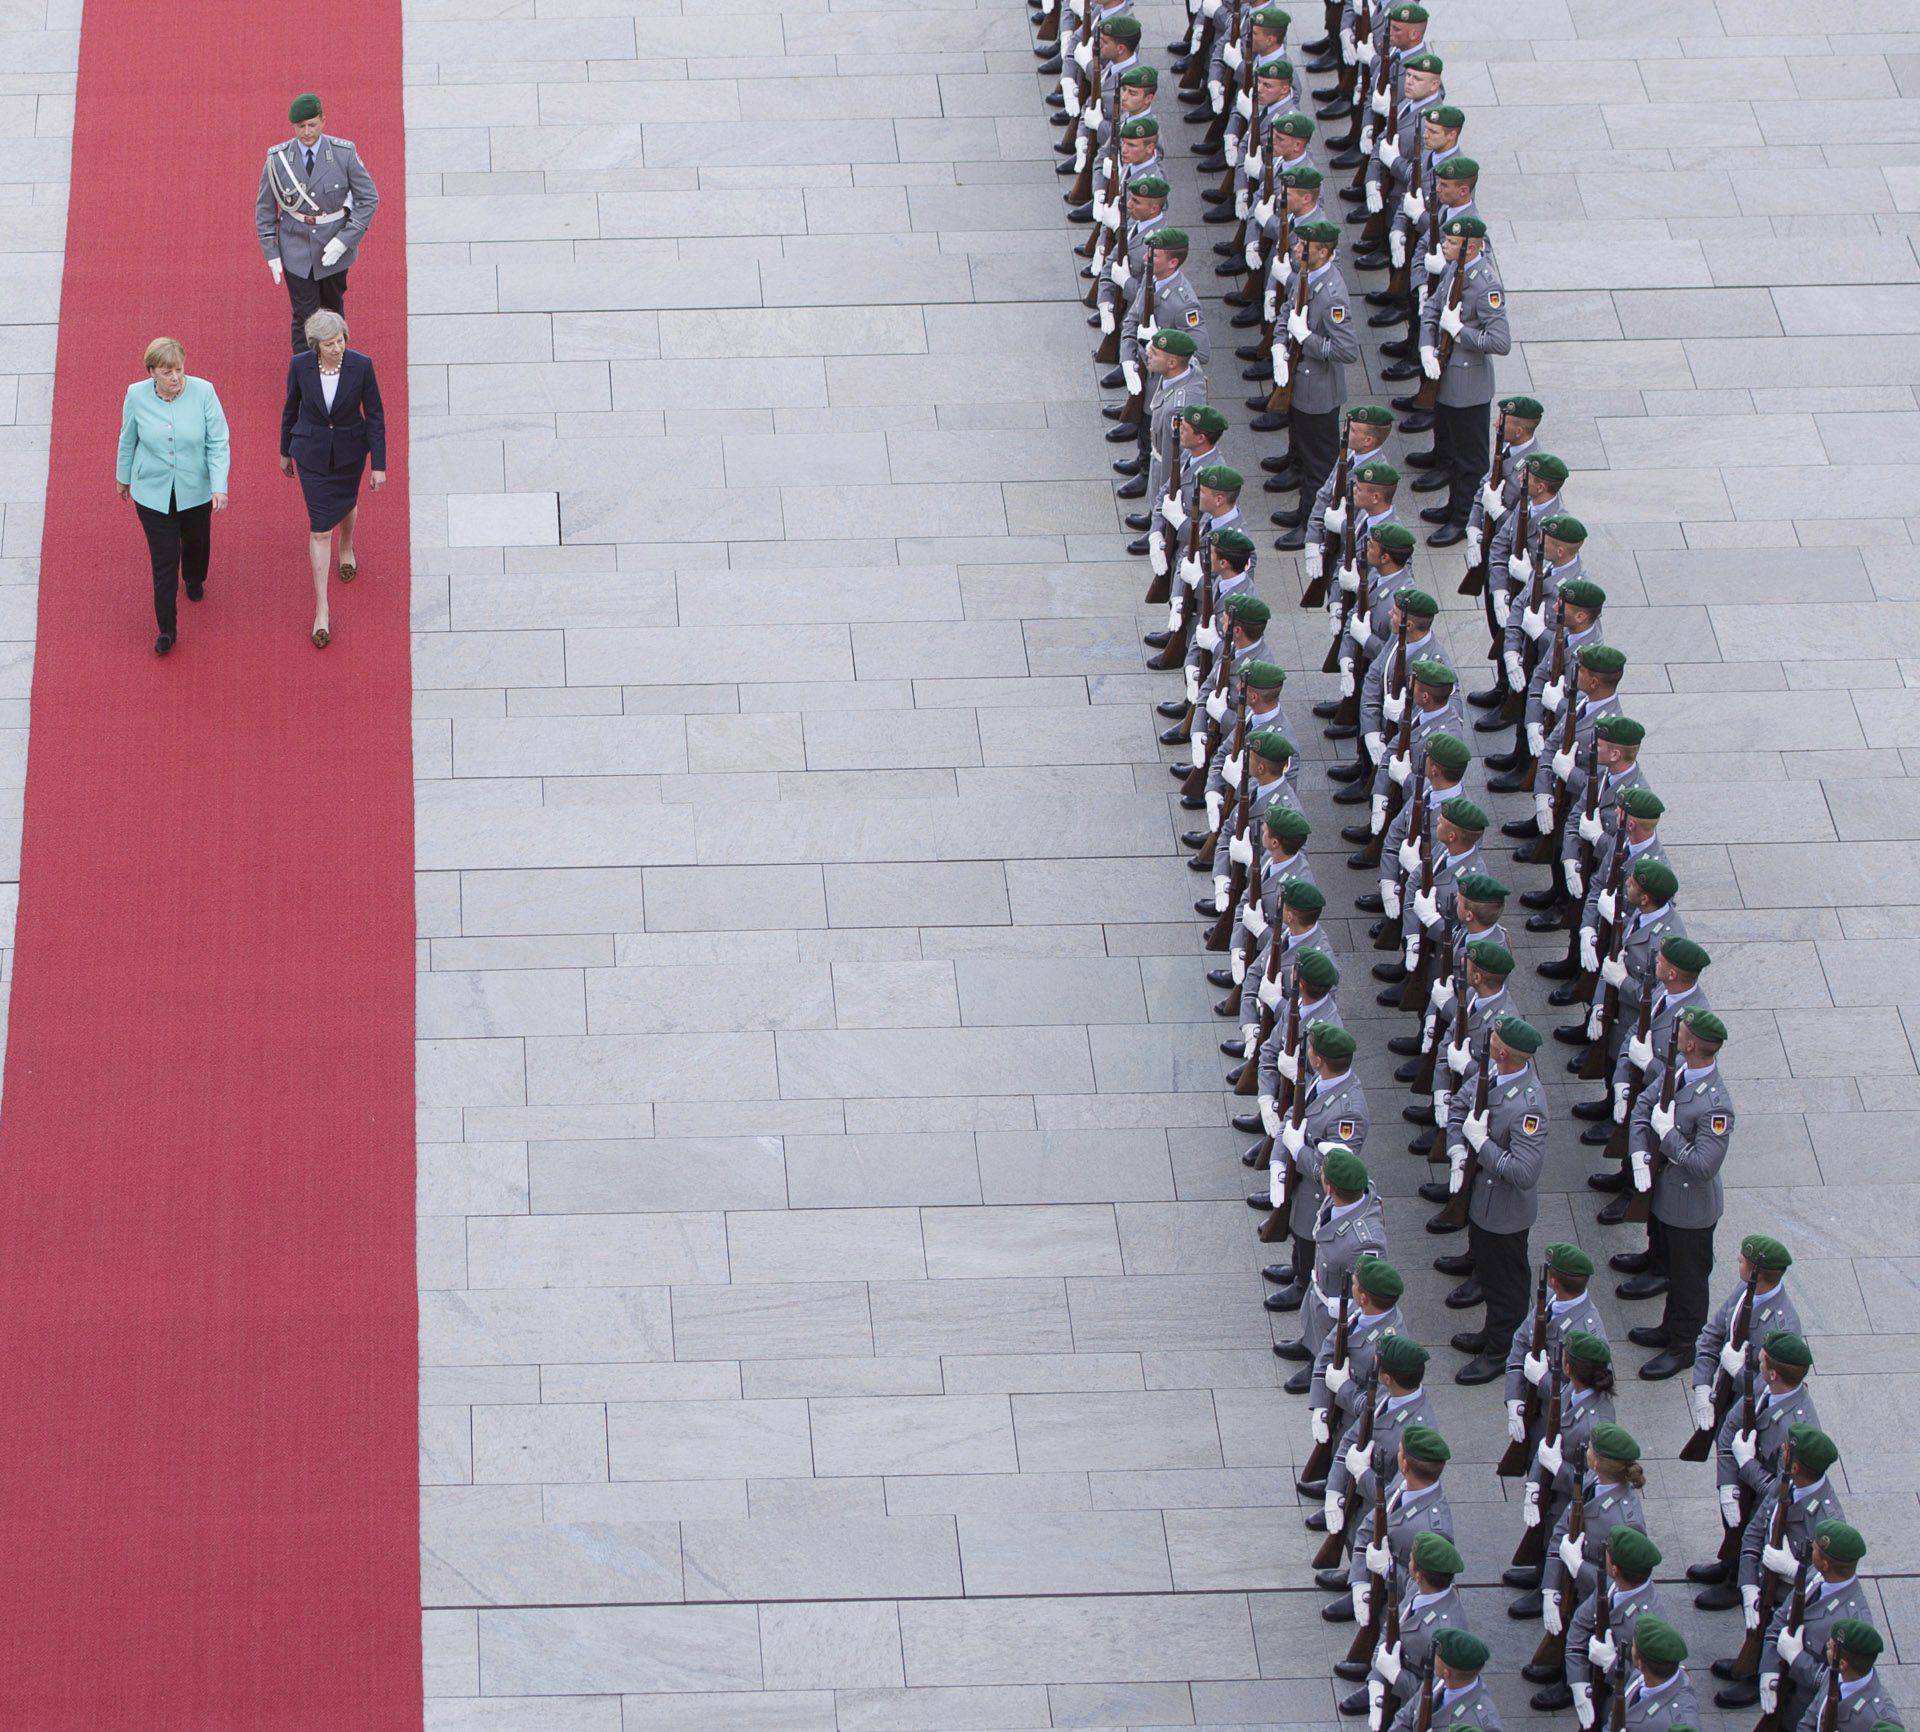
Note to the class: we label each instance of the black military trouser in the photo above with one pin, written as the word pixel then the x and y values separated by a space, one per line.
pixel 179 544
pixel 309 295
pixel 1316 444
pixel 1685 1256
pixel 1500 1266
pixel 1460 435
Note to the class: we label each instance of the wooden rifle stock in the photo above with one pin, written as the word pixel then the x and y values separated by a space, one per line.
pixel 1334 1547
pixel 1196 780
pixel 1532 1548
pixel 1164 585
pixel 1434 1023
pixel 1322 1457
pixel 1315 594
pixel 1476 579
pixel 1456 1213
pixel 1048 29
pixel 1380 1587
pixel 1237 31
pixel 1274 1227
pixel 1423 1721
pixel 1429 392
pixel 1389 936
pixel 1640 1202
pixel 1617 1687
pixel 1218 130
pixel 1746 1663
pixel 1617 1143
pixel 1221 934
pixel 1699 1446
pixel 1830 1701
pixel 1280 398
pixel 1749 1421
pixel 1543 851
pixel 1517 1455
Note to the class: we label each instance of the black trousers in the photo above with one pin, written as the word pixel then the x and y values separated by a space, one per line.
pixel 179 544
pixel 1685 1256
pixel 1500 1266
pixel 309 295
pixel 1316 443
pixel 1460 436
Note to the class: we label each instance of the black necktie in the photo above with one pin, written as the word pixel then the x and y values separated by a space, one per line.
pixel 309 161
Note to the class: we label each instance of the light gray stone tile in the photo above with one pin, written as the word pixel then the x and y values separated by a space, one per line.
pixel 1077 1640
pixel 771 1320
pixel 656 1174
pixel 1067 1553
pixel 554 1651
pixel 707 1439
pixel 830 1646
pixel 981 1315
pixel 799 1558
pixel 914 1435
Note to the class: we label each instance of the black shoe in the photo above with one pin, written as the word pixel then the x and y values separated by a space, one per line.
pixel 1472 1342
pixel 1300 1382
pixel 1051 64
pixel 1247 316
pixel 1080 213
pixel 1493 724
pixel 1355 796
pixel 1405 1073
pixel 1455 1264
pixel 1124 432
pixel 1648 1335
pixel 1422 1145
pixel 1251 1124
pixel 1540 1674
pixel 1439 1224
pixel 1705 1575
pixel 1521 1577
pixel 1571 1034
pixel 163 643
pixel 1354 1704
pixel 1204 905
pixel 1600 1109
pixel 1352 1671
pixel 1172 709
pixel 1513 783
pixel 1662 1366
pixel 1570 992
pixel 1539 900
pixel 1337 1611
pixel 1280 463
pixel 1278 1273
pixel 1135 489
pixel 1418 422
pixel 1611 1216
pixel 1723 1669
pixel 1404 1046
pixel 1370 904
pixel 1292 1294
pixel 1389 315
pixel 1220 977
pixel 1432 513
pixel 1447 535
pixel 1349 158
pixel 1268 421
pixel 1262 1201
pixel 1742 1694
pixel 1597 1136
pixel 1526 1608
pixel 1296 1351
pixel 1156 639
pixel 1483 1369
pixel 1647 1286
pixel 1509 761
pixel 1491 698
pixel 1395 371
pixel 1139 548
pixel 1559 969
pixel 1129 466
pixel 1288 519
pixel 1188 802
pixel 1390 973
pixel 1721 1597
pixel 1435 1191
pixel 1177 735
pixel 1291 542
pixel 1344 773
pixel 1137 519
pixel 1624 1262
pixel 195 591
pixel 1466 1296
pixel 1552 1698
pixel 1359 835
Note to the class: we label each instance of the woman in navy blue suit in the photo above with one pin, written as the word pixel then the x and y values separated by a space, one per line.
pixel 331 424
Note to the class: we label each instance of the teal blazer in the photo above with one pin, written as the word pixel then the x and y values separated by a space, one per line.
pixel 176 449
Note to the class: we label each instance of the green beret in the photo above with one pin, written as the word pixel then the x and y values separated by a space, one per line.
pixel 1242 608
pixel 1657 879
pixel 1320 233
pixel 1765 1252
pixel 1423 1443
pixel 1277 67
pixel 1331 1041
pixel 1603 658
pixel 1615 1442
pixel 1784 1347
pixel 1494 958
pixel 1518 1033
pixel 1140 126
pixel 305 107
pixel 1318 970
pixel 1658 1640
pixel 1221 478
pixel 1816 1452
pixel 1141 78
pixel 1289 825
pixel 1414 603
pixel 1239 545
pixel 1298 893
pixel 1272 18
pixel 1841 1542
pixel 1371 415
pixel 1632 1551
pixel 1620 730
pixel 1410 13
pixel 1302 174
pixel 1704 1025
pixel 1343 1170
pixel 1478 886
pixel 1166 240
pixel 1296 125
pixel 1271 744
pixel 1456 167
pixel 1435 1553
pixel 1526 408
pixel 1376 469
pixel 1402 1355
pixel 1394 538
pixel 1461 1648
pixel 1546 467
pixel 1431 671
pixel 1174 342
pixel 1642 803
pixel 1125 28
pixel 1449 751
pixel 1150 186
pixel 1448 116
pixel 1564 528
pixel 1584 592
pixel 1685 953
pixel 1858 1638
pixel 1592 1349
pixel 1565 1259
pixel 1465 228
pixel 1204 418
pixel 1263 676
pixel 1428 62
pixel 1460 810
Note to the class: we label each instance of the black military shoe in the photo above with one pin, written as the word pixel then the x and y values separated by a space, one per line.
pixel 1447 535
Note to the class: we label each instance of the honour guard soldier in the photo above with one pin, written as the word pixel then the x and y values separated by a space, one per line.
pixel 1327 343
pixel 1746 1460
pixel 1631 1559
pixel 1349 1224
pixel 1810 1499
pixel 315 204
pixel 1609 1491
pixel 1429 1604
pixel 1520 419
pixel 1570 1309
pixel 1659 1693
pixel 1763 1263
pixel 1477 323
pixel 1862 1698
pixel 1793 1656
pixel 1460 1699
pixel 1416 1504
pixel 1400 1401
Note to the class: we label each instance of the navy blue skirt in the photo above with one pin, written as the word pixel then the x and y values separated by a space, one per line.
pixel 330 493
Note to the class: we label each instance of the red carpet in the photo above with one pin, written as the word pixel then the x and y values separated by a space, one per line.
pixel 208 1503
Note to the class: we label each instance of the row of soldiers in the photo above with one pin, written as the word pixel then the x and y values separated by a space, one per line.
pixel 1646 1035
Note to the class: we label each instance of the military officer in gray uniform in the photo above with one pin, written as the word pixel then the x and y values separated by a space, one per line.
pixel 1324 336
pixel 1416 1503
pixel 1651 916
pixel 1631 1559
pixel 1460 1697
pixel 1659 1694
pixel 1319 977
pixel 1145 207
pixel 1865 1704
pixel 1400 1399
pixel 1478 329
pixel 1543 716
pixel 1429 1604
pixel 1809 1498
pixel 1570 1307
pixel 1763 1261
pixel 1608 1483
pixel 315 204
pixel 1335 1112
pixel 1793 1656
pixel 1676 990
pixel 1175 306
pixel 1519 431
pixel 1746 1461
pixel 1349 1224
pixel 1174 383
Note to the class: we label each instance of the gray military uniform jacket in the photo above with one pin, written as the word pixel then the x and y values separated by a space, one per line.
pixel 1506 1185
pixel 1807 1507
pixel 1448 719
pixel 1772 1309
pixel 1419 1624
pixel 1776 1416
pixel 1390 1422
pixel 1320 382
pixel 1340 1240
pixel 1410 1513
pixel 1604 1508
pixel 1365 1331
pixel 1563 1318
pixel 1612 786
pixel 1586 712
pixel 1472 1706
pixel 1623 1606
pixel 1826 1605
pixel 1383 676
pixel 1175 308
pixel 1686 1190
pixel 1658 1706
pixel 1482 1014
pixel 1646 932
pixel 1326 1010
pixel 1336 1113
pixel 1168 397
pixel 339 193
pixel 1512 479
pixel 1467 377
pixel 1870 1702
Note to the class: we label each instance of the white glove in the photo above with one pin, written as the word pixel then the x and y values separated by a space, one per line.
pixel 1397 248
pixel 1575 880
pixel 1268 991
pixel 1350 579
pixel 1414 202
pixel 1750 1603
pixel 1500 610
pixel 1536 739
pixel 1192 683
pixel 1700 1403
pixel 1251 252
pixel 1442 993
pixel 1474 1128
pixel 1745 1447
pixel 1249 1031
pixel 1110 217
pixel 1408 854
pixel 1270 1115
pixel 1263 211
pixel 1429 360
pixel 1297 325
pixel 1534 1368
pixel 1583 1706
pixel 1389 155
pixel 1410 960
pixel 1069 96
pixel 1571 1554
pixel 1550 1616
pixel 1293 1139
pixel 1106 329
pixel 1493 502
pixel 1237 967
pixel 1358 629
pixel 1399 768
pixel 1450 321
pixel 1550 1456
pixel 1390 898
pixel 1516 669
pixel 1379 1559
pixel 1358 1460
pixel 1426 908
pixel 1620 1103
pixel 1216 94
pixel 1601 1653
pixel 1207 635
pixel 1770 1686
pixel 1640 1051
pixel 1533 621
pixel 1173 509
pixel 1319 1426
pixel 1642 1170
pixel 1376 198
pixel 1375 744
pixel 1472 545
pixel 1393 705
pixel 1778 1559
pixel 1157 556
pixel 1131 373
pixel 1216 703
pixel 1387 1662
pixel 1552 695
pixel 1083 55
pixel 1790 1644
pixel 332 253
pixel 1363 53
pixel 1269 302
pixel 1591 827
pixel 1377 813
pixel 1122 272
pixel 1190 575
pixel 1338 1377
pixel 1240 851
pixel 1517 1421
pixel 276 271
pixel 1282 372
pixel 1243 105
pixel 1607 903
pixel 1589 950
pixel 1459 1056
pixel 1231 55
pixel 1381 102
pixel 1220 888
pixel 1662 1119
pixel 1435 261
pixel 1530 1504
pixel 1254 918
pixel 1456 1167
pixel 1518 567
pixel 1614 971
pixel 1081 146
pixel 1362 1599
pixel 1333 1507
pixel 1200 755
pixel 1732 1361
pixel 1176 608
pixel 1255 163
pixel 1543 812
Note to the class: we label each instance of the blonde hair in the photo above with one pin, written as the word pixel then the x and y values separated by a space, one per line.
pixel 323 326
pixel 165 352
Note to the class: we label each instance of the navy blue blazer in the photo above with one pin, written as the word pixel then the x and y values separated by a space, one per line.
pixel 320 439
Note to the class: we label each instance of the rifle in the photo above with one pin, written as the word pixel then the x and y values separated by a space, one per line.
pixel 1364 136
pixel 1603 1690
pixel 1542 852
pixel 1048 29
pixel 1533 1541
pixel 1699 1446
pixel 1282 249
pixel 1334 1546
pixel 1347 557
pixel 1534 588
pixel 1136 402
pixel 1429 391
pixel 1830 1701
pixel 1749 1419
pixel 1274 1227
pixel 1216 134
pixel 1522 534
pixel 1746 1664
pixel 1640 1201
pixel 1291 1041
pixel 1389 938
pixel 1280 399
pixel 1517 1456
pixel 1104 246
pixel 1423 1721
pixel 1367 1637
pixel 1751 1649
pixel 1617 1707
pixel 1206 739
pixel 1199 54
pixel 1553 1648
pixel 1349 711
pixel 1239 30
pixel 1475 580
pixel 1434 1022
pixel 1349 85
pixel 1315 594
pixel 1248 242
pixel 1402 747
pixel 1593 1063
pixel 1456 1210
pixel 1322 1457
pixel 1617 1143
pixel 1419 981
pixel 1221 934
pixel 1165 584
pixel 1087 129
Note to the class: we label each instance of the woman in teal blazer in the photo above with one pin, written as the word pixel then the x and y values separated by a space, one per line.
pixel 173 464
